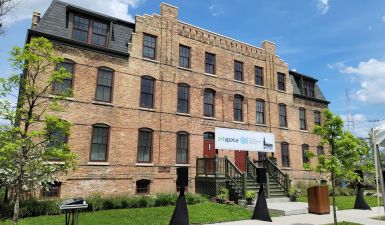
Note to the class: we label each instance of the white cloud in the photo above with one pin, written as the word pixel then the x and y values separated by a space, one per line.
pixel 371 76
pixel 358 124
pixel 216 10
pixel 114 8
pixel 383 18
pixel 323 6
pixel 370 28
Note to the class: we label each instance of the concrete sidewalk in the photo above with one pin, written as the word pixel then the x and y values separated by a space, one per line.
pixel 352 215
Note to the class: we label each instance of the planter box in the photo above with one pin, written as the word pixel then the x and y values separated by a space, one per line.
pixel 318 200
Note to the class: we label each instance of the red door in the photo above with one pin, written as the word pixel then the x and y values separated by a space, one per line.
pixel 209 152
pixel 241 160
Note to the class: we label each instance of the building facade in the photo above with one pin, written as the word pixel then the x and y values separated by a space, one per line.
pixel 148 95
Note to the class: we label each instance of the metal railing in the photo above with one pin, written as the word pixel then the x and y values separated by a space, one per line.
pixel 280 177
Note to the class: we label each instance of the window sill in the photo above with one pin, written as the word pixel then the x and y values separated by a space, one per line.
pixel 147 109
pixel 182 165
pixel 150 60
pixel 144 164
pixel 183 114
pixel 184 68
pixel 240 122
pixel 304 131
pixel 210 75
pixel 283 128
pixel 102 103
pixel 240 81
pixel 259 86
pixel 209 118
pixel 286 168
pixel 261 125
pixel 64 98
pixel 281 91
pixel 98 163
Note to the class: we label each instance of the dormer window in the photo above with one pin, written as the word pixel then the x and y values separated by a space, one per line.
pixel 89 31
pixel 308 88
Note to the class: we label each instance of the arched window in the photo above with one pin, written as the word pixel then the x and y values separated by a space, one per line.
pixel 100 139
pixel 182 147
pixel 209 103
pixel 282 115
pixel 302 118
pixel 209 136
pixel 143 187
pixel 183 98
pixel 260 111
pixel 145 145
pixel 238 107
pixel 285 154
pixel 104 85
pixel 305 148
pixel 64 87
pixel 147 92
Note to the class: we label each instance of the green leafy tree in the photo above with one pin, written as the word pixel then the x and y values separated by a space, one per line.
pixel 32 150
pixel 347 153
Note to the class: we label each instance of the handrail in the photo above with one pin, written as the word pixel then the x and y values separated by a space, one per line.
pixel 236 176
pixel 278 175
pixel 252 170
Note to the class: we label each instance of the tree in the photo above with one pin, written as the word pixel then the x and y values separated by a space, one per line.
pixel 32 150
pixel 6 6
pixel 347 153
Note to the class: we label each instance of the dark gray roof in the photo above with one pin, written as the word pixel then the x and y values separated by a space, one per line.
pixel 54 23
pixel 297 91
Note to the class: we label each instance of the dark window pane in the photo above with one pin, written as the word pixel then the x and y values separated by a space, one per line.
pixel 99 143
pixel 308 88
pixel 182 148
pixel 317 118
pixel 104 85
pixel 51 190
pixel 238 70
pixel 208 136
pixel 64 87
pixel 184 56
pixel 147 92
pixel 143 187
pixel 281 82
pixel 144 145
pixel 80 29
pixel 282 115
pixel 320 150
pixel 238 112
pixel 183 98
pixel 260 112
pixel 209 63
pixel 302 119
pixel 305 148
pixel 285 154
pixel 149 46
pixel 259 75
pixel 99 33
pixel 209 103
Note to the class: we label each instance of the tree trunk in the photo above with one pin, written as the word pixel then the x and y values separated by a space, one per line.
pixel 334 200
pixel 16 208
pixel 5 200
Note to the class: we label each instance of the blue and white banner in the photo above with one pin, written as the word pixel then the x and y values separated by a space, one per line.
pixel 233 139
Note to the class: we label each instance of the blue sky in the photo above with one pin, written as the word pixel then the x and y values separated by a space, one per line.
pixel 341 43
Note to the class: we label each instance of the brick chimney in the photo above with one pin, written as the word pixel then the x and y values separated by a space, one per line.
pixel 168 11
pixel 269 47
pixel 35 19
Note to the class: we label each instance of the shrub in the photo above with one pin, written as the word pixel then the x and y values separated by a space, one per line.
pixel 250 196
pixel 223 195
pixel 95 202
pixel 163 199
pixel 192 198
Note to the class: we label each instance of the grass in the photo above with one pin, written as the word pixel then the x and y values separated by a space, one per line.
pixel 207 212
pixel 346 223
pixel 347 202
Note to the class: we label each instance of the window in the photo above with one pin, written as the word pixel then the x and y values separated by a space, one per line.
pixel 209 136
pixel 64 87
pixel 209 96
pixel 302 119
pixel 149 46
pixel 142 187
pixel 83 28
pixel 104 85
pixel 282 115
pixel 100 134
pixel 237 104
pixel 262 156
pixel 145 145
pixel 285 154
pixel 238 70
pixel 281 82
pixel 56 138
pixel 183 98
pixel 51 190
pixel 147 92
pixel 305 148
pixel 182 144
pixel 184 56
pixel 260 111
pixel 320 150
pixel 209 63
pixel 308 88
pixel 317 118
pixel 259 76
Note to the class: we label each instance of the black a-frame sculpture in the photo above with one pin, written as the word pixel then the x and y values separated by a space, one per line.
pixel 180 214
pixel 261 211
pixel 360 202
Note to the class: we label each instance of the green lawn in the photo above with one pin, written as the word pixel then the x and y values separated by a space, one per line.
pixel 347 202
pixel 200 213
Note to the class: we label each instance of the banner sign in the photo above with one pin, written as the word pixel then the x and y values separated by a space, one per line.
pixel 233 139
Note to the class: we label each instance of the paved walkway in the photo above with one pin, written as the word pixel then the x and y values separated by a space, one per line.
pixel 352 215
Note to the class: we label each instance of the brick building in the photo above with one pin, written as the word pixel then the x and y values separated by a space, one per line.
pixel 148 95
